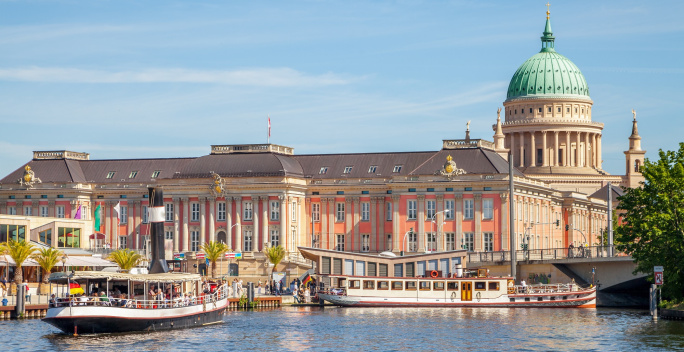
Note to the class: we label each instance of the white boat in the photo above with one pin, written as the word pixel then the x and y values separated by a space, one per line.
pixel 136 311
pixel 478 291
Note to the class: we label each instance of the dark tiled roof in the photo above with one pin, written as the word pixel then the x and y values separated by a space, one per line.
pixel 472 160
pixel 47 171
pixel 97 170
pixel 602 193
pixel 242 165
pixel 361 163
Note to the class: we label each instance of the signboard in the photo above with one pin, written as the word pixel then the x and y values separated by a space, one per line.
pixel 658 274
pixel 232 255
pixel 178 256
pixel 199 255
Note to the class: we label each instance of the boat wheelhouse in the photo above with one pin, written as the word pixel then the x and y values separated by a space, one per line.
pixel 431 280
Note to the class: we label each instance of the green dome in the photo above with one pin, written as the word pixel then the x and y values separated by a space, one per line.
pixel 547 73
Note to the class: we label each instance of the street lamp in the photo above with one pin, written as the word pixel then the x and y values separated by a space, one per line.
pixel 434 216
pixel 64 259
pixel 406 234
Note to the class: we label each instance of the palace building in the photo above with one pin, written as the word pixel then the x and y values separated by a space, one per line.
pixel 259 195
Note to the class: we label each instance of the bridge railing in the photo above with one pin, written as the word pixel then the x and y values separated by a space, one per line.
pixel 542 254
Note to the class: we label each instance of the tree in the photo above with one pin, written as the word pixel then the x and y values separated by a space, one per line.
pixel 47 258
pixel 19 251
pixel 213 251
pixel 275 255
pixel 652 226
pixel 125 258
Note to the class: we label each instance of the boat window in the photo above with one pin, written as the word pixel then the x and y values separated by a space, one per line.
pixel 397 285
pixel 382 270
pixel 369 284
pixel 410 285
pixel 493 286
pixel 384 285
pixel 341 282
pixel 452 285
pixel 480 285
pixel 425 285
pixel 438 286
pixel 354 284
pixel 325 267
pixel 372 269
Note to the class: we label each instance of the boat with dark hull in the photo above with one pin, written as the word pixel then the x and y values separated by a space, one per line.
pixel 137 311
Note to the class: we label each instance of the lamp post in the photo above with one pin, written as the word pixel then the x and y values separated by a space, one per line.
pixel 434 216
pixel 64 259
pixel 406 234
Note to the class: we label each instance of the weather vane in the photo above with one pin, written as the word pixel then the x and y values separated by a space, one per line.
pixel 547 10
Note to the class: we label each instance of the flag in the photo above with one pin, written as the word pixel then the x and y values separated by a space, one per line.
pixel 75 288
pixel 97 218
pixel 117 209
pixel 306 280
pixel 78 213
pixel 269 126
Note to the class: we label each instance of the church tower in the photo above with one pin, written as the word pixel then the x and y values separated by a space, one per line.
pixel 634 157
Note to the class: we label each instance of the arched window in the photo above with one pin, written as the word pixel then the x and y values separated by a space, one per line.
pixel 637 166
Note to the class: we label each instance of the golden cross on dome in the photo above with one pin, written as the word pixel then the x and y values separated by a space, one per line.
pixel 547 10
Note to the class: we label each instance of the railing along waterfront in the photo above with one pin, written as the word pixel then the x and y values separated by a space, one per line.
pixel 542 254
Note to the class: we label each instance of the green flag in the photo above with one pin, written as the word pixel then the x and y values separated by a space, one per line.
pixel 97 218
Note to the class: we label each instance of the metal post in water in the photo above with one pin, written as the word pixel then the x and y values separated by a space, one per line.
pixel 653 302
pixel 511 216
pixel 610 220
pixel 156 218
pixel 19 308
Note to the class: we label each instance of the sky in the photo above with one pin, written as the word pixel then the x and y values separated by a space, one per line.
pixel 155 79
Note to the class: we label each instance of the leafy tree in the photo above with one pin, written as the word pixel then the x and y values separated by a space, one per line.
pixel 47 258
pixel 19 251
pixel 213 251
pixel 275 255
pixel 125 258
pixel 652 226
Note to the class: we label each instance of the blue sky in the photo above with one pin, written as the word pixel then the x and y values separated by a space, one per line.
pixel 140 79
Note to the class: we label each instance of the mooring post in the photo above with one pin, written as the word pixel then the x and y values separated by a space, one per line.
pixel 19 309
pixel 653 302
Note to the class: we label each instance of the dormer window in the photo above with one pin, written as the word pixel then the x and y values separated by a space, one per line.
pixel 111 174
pixel 372 169
pixel 348 169
pixel 133 174
pixel 156 174
pixel 323 170
pixel 397 168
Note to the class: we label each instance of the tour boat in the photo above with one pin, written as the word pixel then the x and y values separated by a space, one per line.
pixel 106 312
pixel 481 290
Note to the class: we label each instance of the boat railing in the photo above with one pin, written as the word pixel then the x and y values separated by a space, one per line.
pixel 546 288
pixel 339 291
pixel 134 303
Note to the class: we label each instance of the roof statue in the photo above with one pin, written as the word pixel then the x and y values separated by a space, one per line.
pixel 218 185
pixel 634 114
pixel 29 178
pixel 449 169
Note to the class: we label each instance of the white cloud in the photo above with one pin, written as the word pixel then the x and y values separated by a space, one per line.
pixel 265 77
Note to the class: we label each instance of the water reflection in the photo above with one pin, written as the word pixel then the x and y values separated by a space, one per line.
pixel 391 329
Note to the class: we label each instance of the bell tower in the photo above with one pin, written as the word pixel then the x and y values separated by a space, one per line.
pixel 634 157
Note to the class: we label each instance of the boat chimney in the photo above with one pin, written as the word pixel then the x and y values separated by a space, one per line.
pixel 156 218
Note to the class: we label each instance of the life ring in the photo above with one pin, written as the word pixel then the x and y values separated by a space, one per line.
pixel 433 274
pixel 453 296
pixel 478 296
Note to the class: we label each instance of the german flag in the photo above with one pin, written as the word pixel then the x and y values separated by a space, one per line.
pixel 306 280
pixel 75 288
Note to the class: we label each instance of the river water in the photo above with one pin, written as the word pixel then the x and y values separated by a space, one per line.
pixel 379 329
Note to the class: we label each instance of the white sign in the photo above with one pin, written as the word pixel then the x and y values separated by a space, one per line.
pixel 658 275
pixel 658 269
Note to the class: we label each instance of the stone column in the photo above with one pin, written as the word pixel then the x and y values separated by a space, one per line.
pixel 578 162
pixel 439 223
pixel 136 225
pixel 567 161
pixel 229 222
pixel 256 240
pixel 594 159
pixel 52 211
pixel 374 243
pixel 599 158
pixel 203 220
pixel 325 236
pixel 238 246
pixel 348 225
pixel 331 221
pixel 3 207
pixel 74 207
pixel 212 211
pixel 397 236
pixel 381 235
pixel 545 154
pixel 186 228
pixel 265 235
pixel 458 217
pixel 587 151
pixel 533 149
pixel 176 223
pixel 284 201
pixel 36 209
pixel 503 224
pixel 522 149
pixel 555 149
pixel 420 219
pixel 511 146
pixel 356 236
pixel 479 237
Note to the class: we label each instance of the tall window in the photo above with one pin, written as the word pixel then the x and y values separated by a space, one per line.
pixel 431 242
pixel 13 211
pixel 449 205
pixel 412 242
pixel 365 211
pixel 488 242
pixel 469 241
pixel 169 212
pixel 389 211
pixel 194 241
pixel 247 212
pixel 145 220
pixel 468 208
pixel 124 214
pixel 123 242
pixel 12 232
pixel 247 246
pixel 365 242
pixel 28 211
pixel 168 235
pixel 59 210
pixel 449 241
pixel 275 210
pixel 68 237
pixel 46 237
pixel 194 211
pixel 221 211
pixel 316 212
pixel 340 243
pixel 430 205
pixel 293 212
pixel 340 212
pixel 487 208
pixel 412 209
pixel 275 238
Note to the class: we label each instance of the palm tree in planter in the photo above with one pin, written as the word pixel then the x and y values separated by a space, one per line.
pixel 47 258
pixel 274 255
pixel 19 251
pixel 125 258
pixel 213 252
